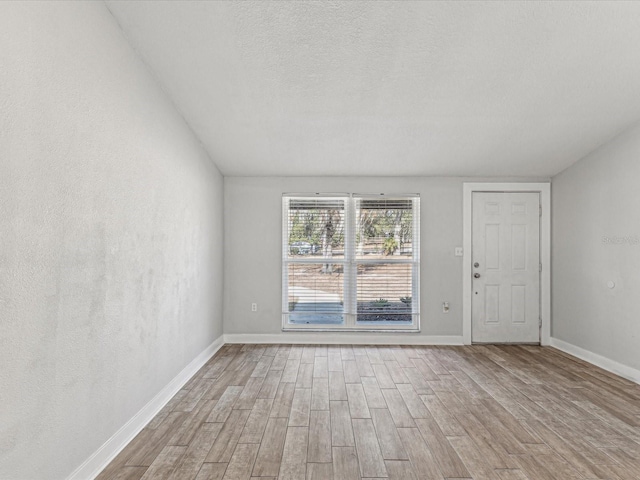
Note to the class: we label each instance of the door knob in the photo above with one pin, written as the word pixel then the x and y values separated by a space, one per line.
pixel 476 275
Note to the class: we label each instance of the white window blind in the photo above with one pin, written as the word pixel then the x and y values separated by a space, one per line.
pixel 351 261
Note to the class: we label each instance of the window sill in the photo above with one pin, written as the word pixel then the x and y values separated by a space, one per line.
pixel 381 331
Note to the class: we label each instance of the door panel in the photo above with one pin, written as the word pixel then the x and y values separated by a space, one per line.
pixel 492 304
pixel 506 250
pixel 492 246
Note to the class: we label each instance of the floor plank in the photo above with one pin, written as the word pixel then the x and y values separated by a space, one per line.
pixel 270 384
pixel 270 453
pixel 420 456
pixel 400 470
pixel 387 433
pixel 358 407
pixel 320 393
pixel 257 421
pixel 212 471
pixel 373 393
pixel 164 463
pixel 197 451
pixel 294 455
pixel 368 449
pixel 398 409
pixel 337 386
pixel 227 439
pixel 319 437
pixel 345 463
pixel 341 430
pixel 241 462
pixel 319 471
pixel 300 408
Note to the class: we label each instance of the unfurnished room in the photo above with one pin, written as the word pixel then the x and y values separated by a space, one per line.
pixel 319 240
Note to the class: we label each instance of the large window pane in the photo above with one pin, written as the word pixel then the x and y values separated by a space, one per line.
pixel 384 292
pixel 316 228
pixel 384 228
pixel 315 296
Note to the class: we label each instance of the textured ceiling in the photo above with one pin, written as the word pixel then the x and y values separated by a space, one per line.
pixel 394 88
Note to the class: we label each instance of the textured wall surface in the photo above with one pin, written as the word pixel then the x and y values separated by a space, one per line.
pixel 253 236
pixel 479 88
pixel 596 239
pixel 110 237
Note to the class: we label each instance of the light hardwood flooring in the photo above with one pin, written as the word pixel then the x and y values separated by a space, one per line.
pixel 356 412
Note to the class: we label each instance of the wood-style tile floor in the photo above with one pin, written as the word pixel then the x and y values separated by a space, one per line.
pixel 355 412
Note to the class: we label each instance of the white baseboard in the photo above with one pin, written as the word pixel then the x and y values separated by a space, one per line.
pixel 108 451
pixel 598 360
pixel 354 338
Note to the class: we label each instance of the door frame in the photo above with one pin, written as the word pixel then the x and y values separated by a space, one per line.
pixel 544 189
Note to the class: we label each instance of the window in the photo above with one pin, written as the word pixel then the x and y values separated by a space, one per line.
pixel 351 262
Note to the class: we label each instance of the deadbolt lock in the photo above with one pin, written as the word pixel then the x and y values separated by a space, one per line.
pixel 476 264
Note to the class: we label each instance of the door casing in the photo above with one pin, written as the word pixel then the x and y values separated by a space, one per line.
pixel 544 189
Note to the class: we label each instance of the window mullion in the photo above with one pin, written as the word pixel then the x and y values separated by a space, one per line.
pixel 285 265
pixel 415 280
pixel 349 277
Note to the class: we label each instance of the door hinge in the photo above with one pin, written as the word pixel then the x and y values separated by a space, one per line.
pixel 540 209
pixel 540 267
pixel 540 321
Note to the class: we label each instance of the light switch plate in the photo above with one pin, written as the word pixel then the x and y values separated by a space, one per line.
pixel 458 252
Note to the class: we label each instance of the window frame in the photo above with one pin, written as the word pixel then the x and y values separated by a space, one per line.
pixel 350 264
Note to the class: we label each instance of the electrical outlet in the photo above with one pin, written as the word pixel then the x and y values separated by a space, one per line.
pixel 445 307
pixel 254 307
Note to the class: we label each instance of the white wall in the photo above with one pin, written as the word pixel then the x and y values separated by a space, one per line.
pixel 253 236
pixel 597 199
pixel 110 237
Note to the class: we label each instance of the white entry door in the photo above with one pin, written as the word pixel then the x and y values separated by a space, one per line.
pixel 506 268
